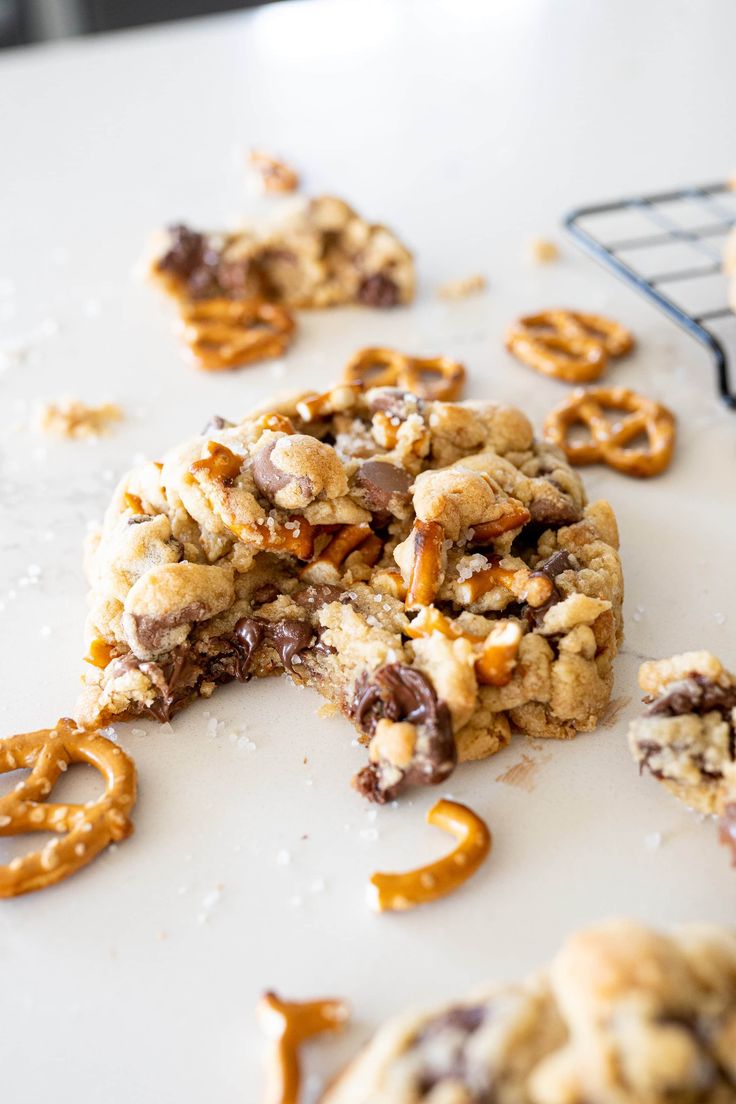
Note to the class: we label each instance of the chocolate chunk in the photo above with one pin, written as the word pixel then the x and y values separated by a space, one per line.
pixel 176 680
pixel 315 596
pixel 288 638
pixel 152 631
pixel 443 1047
pixel 401 693
pixel 378 291
pixel 395 402
pixel 185 253
pixel 383 486
pixel 262 595
pixel 694 694
pixel 554 508
pixel 270 480
pixel 216 422
pixel 727 828
pixel 553 566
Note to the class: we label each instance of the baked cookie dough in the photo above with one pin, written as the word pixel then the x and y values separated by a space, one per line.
pixel 624 1015
pixel 322 254
pixel 429 567
pixel 687 737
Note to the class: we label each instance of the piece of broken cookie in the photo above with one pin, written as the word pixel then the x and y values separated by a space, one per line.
pixel 687 737
pixel 321 254
pixel 428 567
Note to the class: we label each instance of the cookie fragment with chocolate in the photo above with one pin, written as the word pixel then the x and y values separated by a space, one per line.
pixel 428 567
pixel 687 736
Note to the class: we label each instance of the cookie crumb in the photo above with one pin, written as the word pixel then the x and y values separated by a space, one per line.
pixel 542 251
pixel 462 289
pixel 276 176
pixel 73 419
pixel 329 709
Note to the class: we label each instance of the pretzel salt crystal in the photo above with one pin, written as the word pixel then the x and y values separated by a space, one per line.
pixel 609 441
pixel 227 333
pixel 426 570
pixel 84 830
pixel 398 892
pixel 428 377
pixel 288 1024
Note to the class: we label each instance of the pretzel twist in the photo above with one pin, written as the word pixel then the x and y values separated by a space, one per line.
pixel 226 333
pixel 609 440
pixel 568 345
pixel 428 377
pixel 288 1024
pixel 398 892
pixel 84 830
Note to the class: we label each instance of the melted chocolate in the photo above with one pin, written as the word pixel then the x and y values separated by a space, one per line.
pixel 378 291
pixel 553 566
pixel 694 694
pixel 383 485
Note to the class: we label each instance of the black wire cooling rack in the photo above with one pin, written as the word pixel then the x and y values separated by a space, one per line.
pixel 669 247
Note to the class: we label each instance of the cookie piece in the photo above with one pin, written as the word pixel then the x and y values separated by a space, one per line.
pixel 687 737
pixel 625 1015
pixel 423 563
pixel 322 254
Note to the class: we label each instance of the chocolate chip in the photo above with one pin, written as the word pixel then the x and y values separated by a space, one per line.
pixel 264 594
pixel 151 632
pixel 553 566
pixel 694 694
pixel 378 291
pixel 401 693
pixel 248 635
pixel 288 638
pixel 185 253
pixel 383 487
pixel 394 401
pixel 554 509
pixel 444 1057
pixel 270 480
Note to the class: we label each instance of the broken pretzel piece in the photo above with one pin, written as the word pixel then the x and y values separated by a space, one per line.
pixel 288 1024
pixel 325 568
pixel 497 651
pixel 228 333
pixel 427 565
pixel 276 176
pixel 84 830
pixel 399 892
pixel 533 587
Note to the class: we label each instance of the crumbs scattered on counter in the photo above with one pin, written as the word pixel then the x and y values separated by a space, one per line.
pixel 542 251
pixel 462 289
pixel 72 419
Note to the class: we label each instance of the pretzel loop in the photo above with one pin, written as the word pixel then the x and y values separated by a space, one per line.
pixel 398 892
pixel 84 830
pixel 568 345
pixel 225 333
pixel 610 442
pixel 428 377
pixel 288 1024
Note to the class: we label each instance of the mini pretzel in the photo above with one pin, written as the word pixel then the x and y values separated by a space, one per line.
pixel 325 567
pixel 394 892
pixel 608 440
pixel 429 377
pixel 568 345
pixel 84 830
pixel 533 587
pixel 498 651
pixel 288 1024
pixel 426 570
pixel 225 333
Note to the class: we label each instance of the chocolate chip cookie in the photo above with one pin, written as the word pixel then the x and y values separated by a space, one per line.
pixel 321 254
pixel 425 564
pixel 624 1015
pixel 687 737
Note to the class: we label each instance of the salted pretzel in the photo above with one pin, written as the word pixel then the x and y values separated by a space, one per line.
pixel 428 377
pixel 398 892
pixel 325 568
pixel 225 333
pixel 83 830
pixel 533 587
pixel 288 1024
pixel 426 571
pixel 609 441
pixel 568 345
pixel 496 652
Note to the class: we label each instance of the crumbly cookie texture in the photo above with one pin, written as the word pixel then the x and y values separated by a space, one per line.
pixel 322 254
pixel 76 420
pixel 625 1015
pixel 687 737
pixel 425 564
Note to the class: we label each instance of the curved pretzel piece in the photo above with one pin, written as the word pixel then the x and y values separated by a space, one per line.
pixel 288 1024
pixel 429 377
pixel 397 892
pixel 84 830
pixel 568 345
pixel 225 333
pixel 609 441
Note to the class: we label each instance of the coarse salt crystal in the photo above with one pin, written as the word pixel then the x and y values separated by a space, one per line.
pixel 653 841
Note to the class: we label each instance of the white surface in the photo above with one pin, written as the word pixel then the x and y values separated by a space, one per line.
pixel 469 127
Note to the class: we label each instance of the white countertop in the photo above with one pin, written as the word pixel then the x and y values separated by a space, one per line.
pixel 469 127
